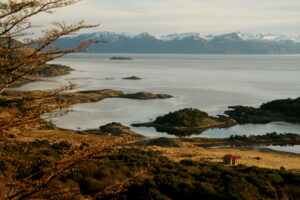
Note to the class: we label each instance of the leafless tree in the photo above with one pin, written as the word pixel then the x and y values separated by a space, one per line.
pixel 18 59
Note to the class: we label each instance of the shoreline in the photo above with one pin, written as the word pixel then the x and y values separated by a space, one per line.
pixel 174 130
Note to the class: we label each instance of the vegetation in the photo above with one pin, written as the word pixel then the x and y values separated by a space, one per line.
pixel 117 129
pixel 146 95
pixel 285 107
pixel 50 70
pixel 188 117
pixel 35 169
pixel 41 74
pixel 97 95
pixel 270 138
pixel 279 110
pixel 192 180
pixel 30 172
pixel 20 60
pixel 161 179
pixel 162 142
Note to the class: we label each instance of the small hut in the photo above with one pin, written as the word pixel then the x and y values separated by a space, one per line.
pixel 231 159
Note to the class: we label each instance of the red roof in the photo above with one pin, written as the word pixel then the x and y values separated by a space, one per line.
pixel 230 156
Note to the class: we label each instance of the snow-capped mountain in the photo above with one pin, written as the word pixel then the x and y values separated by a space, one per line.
pixel 231 43
pixel 269 37
pixel 114 36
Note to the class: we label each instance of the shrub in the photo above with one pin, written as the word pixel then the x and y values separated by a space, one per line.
pixel 188 117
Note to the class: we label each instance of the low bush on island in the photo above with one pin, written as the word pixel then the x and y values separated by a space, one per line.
pixel 188 117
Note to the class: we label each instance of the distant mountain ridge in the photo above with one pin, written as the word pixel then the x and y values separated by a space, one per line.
pixel 195 43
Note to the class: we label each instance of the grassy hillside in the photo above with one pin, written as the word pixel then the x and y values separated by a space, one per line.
pixel 161 178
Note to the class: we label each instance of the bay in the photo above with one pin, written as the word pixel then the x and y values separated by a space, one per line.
pixel 207 82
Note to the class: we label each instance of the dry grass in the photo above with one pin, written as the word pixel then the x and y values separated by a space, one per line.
pixel 65 135
pixel 266 159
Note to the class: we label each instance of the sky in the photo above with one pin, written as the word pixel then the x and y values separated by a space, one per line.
pixel 162 17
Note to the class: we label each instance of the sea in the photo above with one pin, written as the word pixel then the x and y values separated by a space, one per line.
pixel 210 83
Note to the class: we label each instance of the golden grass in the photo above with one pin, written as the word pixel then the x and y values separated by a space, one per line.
pixel 266 159
pixel 259 158
pixel 63 135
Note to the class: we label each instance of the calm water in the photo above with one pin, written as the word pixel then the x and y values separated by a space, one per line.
pixel 207 82
pixel 287 148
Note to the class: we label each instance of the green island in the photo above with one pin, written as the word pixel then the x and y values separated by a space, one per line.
pixel 187 121
pixel 287 110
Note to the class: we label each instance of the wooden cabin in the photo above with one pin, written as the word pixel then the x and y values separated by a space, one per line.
pixel 231 159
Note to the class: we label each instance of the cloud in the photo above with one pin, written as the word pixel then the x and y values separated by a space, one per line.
pixel 167 16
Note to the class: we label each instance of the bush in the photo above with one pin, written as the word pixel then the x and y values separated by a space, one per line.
pixel 188 117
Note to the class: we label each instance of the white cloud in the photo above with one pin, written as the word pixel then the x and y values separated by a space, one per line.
pixel 166 16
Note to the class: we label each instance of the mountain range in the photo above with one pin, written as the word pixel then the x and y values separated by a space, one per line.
pixel 193 43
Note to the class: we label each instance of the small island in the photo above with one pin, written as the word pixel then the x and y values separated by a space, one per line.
pixel 187 121
pixel 98 95
pixel 120 58
pixel 88 96
pixel 132 78
pixel 114 129
pixel 287 110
